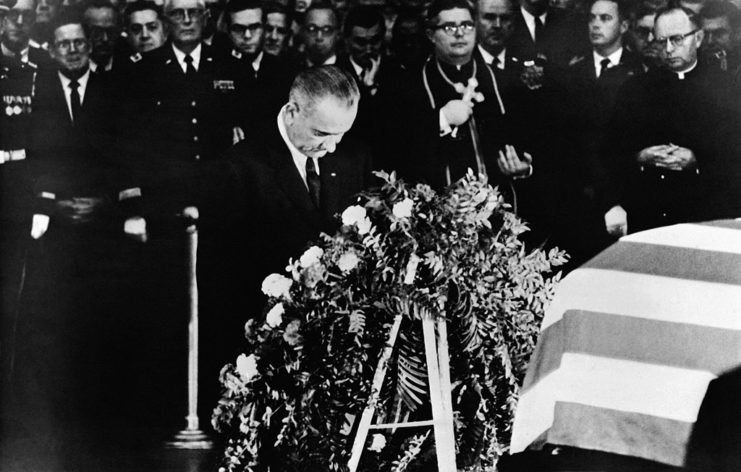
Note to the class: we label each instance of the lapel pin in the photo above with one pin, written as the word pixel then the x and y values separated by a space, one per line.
pixel 332 174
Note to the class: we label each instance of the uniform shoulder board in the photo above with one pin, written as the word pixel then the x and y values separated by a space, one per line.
pixel 135 58
pixel 236 54
pixel 575 60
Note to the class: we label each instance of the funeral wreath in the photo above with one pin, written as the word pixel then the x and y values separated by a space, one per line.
pixel 290 402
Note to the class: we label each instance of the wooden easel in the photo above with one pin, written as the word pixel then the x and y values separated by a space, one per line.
pixel 438 373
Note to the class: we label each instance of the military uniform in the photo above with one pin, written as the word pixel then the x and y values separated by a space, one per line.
pixel 172 122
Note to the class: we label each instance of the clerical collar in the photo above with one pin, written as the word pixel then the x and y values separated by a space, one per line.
pixel 682 74
pixel 22 56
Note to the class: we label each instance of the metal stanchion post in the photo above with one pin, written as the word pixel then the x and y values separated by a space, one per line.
pixel 192 437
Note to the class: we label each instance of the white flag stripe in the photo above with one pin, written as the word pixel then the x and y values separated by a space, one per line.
pixel 534 414
pixel 647 296
pixel 635 387
pixel 707 238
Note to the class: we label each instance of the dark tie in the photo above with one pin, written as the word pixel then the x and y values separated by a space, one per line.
pixel 604 65
pixel 190 71
pixel 312 180
pixel 539 30
pixel 74 100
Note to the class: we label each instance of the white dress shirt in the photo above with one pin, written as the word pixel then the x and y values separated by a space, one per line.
pixel 299 159
pixel 68 92
pixel 95 67
pixel 256 63
pixel 489 58
pixel 180 56
pixel 614 60
pixel 530 21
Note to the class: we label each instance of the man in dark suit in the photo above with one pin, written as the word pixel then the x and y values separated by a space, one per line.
pixel 319 34
pixel 672 132
pixel 75 324
pixel 264 79
pixel 104 28
pixel 284 188
pixel 546 34
pixel 302 173
pixel 364 30
pixel 593 82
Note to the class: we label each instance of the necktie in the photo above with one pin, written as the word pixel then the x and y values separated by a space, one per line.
pixel 604 65
pixel 190 71
pixel 312 180
pixel 539 29
pixel 74 100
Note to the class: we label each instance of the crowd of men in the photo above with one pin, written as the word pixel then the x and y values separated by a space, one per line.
pixel 263 119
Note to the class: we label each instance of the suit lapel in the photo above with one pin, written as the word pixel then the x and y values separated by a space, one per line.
pixel 289 179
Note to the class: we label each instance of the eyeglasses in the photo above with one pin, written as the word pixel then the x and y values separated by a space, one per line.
pixel 451 29
pixel 676 40
pixel 180 14
pixel 65 45
pixel 239 30
pixel 314 30
pixel 280 29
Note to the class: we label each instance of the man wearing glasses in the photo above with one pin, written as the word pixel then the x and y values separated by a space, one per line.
pixel 319 34
pixel 672 133
pixel 264 80
pixel 441 126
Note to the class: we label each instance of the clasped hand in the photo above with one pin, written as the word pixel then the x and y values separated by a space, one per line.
pixel 668 156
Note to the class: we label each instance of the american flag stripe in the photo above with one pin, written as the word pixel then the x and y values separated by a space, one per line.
pixel 631 341
pixel 647 296
pixel 631 338
pixel 677 262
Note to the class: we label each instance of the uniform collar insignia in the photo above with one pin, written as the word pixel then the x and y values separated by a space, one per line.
pixel 236 54
pixel 135 57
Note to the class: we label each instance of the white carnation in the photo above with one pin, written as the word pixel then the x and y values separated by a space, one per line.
pixel 311 256
pixel 403 209
pixel 378 443
pixel 348 262
pixel 275 315
pixel 277 286
pixel 247 367
pixel 353 215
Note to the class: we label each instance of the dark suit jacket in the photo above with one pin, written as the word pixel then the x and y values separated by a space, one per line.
pixel 371 109
pixel 72 159
pixel 262 94
pixel 279 215
pixel 565 36
pixel 592 102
